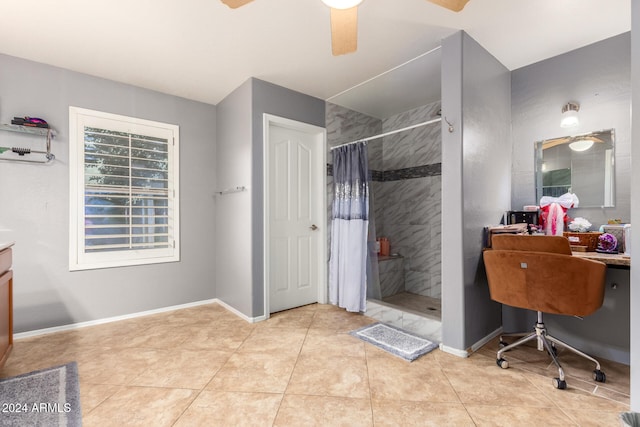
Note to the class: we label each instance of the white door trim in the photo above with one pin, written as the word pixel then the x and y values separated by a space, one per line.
pixel 268 120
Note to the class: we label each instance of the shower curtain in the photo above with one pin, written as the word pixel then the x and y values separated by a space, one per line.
pixel 349 228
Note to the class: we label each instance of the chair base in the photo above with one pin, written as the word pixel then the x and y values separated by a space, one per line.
pixel 548 343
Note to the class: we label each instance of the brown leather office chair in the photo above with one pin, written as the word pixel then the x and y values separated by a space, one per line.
pixel 539 273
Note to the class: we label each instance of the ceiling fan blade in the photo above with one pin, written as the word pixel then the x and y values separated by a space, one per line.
pixel 234 4
pixel 344 30
pixel 454 5
pixel 550 143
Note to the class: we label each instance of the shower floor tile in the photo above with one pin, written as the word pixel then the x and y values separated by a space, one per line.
pixel 418 304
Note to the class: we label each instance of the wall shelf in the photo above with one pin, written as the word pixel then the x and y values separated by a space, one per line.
pixel 19 153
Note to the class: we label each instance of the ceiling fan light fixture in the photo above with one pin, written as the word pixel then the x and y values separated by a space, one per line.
pixel 342 4
pixel 570 115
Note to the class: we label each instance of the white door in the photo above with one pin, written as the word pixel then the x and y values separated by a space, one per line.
pixel 296 218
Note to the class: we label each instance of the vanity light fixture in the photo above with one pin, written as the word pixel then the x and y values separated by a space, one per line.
pixel 581 144
pixel 342 4
pixel 570 115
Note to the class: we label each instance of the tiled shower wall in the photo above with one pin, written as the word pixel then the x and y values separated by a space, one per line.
pixel 408 206
pixel 406 186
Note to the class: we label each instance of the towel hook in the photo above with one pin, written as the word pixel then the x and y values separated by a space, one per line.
pixel 449 123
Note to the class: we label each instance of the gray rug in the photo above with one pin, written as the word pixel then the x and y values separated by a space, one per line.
pixel 48 397
pixel 395 340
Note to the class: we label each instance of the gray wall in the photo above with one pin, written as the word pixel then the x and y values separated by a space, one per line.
pixel 476 177
pixel 35 202
pixel 233 211
pixel 598 77
pixel 634 298
pixel 240 281
pixel 278 101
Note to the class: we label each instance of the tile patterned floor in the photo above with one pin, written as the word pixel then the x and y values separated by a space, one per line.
pixel 205 366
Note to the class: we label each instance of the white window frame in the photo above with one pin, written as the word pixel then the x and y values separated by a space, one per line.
pixel 78 259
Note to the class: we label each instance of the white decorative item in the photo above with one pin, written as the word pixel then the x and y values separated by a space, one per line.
pixel 579 225
pixel 554 210
pixel 627 239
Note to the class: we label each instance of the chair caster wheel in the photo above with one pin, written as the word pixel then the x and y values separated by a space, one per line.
pixel 559 384
pixel 599 376
pixel 502 344
pixel 502 363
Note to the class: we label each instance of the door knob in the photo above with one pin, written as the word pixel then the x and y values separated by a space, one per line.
pixel 313 227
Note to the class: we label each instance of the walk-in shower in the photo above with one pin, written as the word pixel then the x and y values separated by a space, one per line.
pixel 404 145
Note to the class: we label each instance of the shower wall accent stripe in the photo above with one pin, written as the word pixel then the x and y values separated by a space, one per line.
pixel 400 174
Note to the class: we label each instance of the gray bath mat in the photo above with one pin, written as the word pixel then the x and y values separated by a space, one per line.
pixel 394 340
pixel 47 397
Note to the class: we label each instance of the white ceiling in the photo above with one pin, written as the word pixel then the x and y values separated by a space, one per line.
pixel 202 50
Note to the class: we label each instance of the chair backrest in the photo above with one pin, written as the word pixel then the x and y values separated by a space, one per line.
pixel 522 273
pixel 519 242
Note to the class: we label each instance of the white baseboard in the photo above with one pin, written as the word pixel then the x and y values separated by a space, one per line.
pixel 240 314
pixel 486 339
pixel 454 351
pixel 474 347
pixel 114 319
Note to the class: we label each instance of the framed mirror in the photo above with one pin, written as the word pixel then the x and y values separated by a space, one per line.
pixel 580 164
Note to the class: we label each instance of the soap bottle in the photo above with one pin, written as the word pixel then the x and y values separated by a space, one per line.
pixel 384 246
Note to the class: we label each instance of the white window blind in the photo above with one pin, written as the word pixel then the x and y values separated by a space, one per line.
pixel 124 190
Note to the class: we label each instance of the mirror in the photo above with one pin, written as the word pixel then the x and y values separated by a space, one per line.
pixel 580 164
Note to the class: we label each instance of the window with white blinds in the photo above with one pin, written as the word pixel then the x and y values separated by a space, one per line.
pixel 124 198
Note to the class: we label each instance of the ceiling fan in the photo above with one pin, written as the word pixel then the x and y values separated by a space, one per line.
pixel 344 20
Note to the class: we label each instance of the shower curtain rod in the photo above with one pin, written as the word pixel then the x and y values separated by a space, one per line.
pixel 428 122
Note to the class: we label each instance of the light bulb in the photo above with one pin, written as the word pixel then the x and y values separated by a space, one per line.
pixel 581 144
pixel 570 115
pixel 342 4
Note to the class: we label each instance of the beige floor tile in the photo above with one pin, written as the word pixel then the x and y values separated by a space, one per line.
pixel 330 376
pixel 254 372
pixel 32 356
pixel 513 415
pixel 274 339
pixel 312 307
pixel 160 336
pixel 201 314
pixel 113 334
pixel 339 320
pixel 527 358
pixel 91 395
pixel 600 391
pixel 572 398
pixel 118 366
pixel 494 386
pixel 392 378
pixel 586 418
pixel 406 413
pixel 207 366
pixel 618 375
pixel 217 336
pixel 321 411
pixel 190 369
pixel 332 343
pixel 84 354
pixel 289 319
pixel 221 408
pixel 141 406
